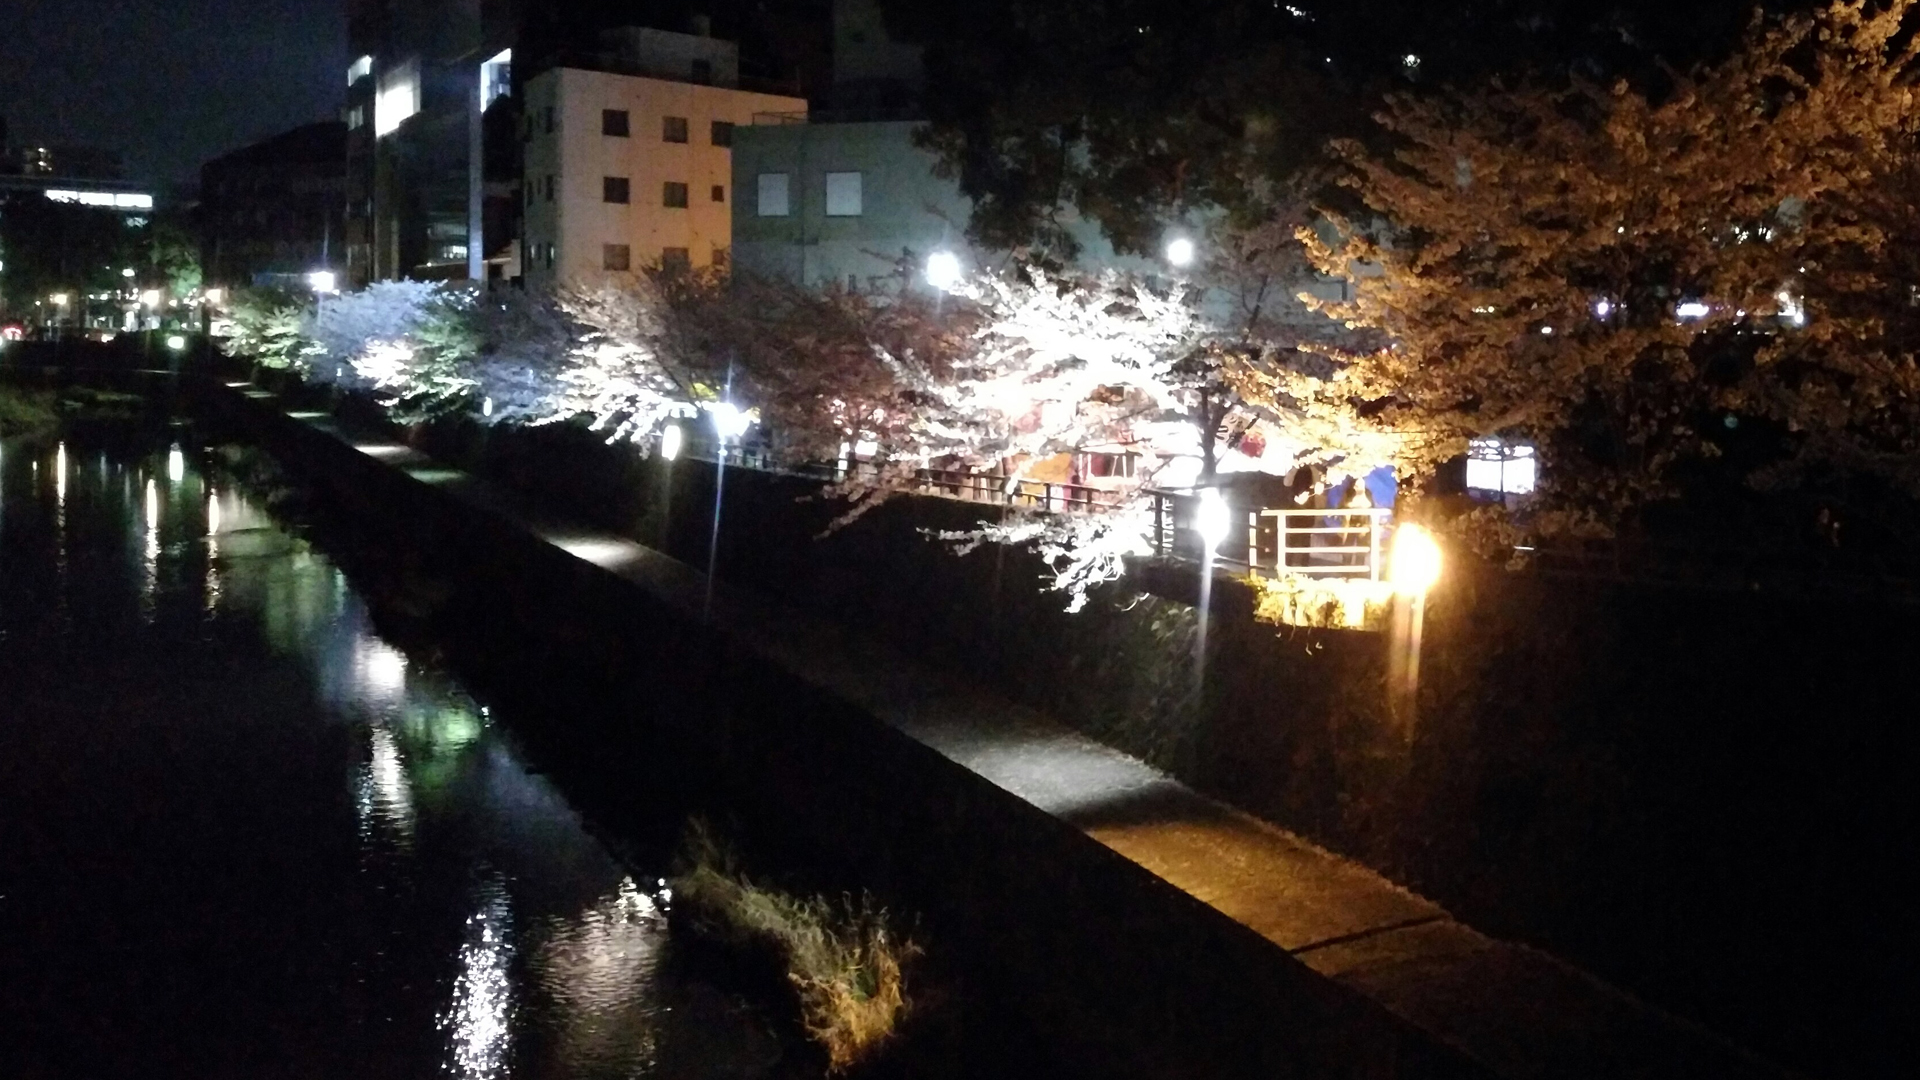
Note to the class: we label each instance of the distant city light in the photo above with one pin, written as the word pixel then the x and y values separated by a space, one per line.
pixel 1180 251
pixel 151 298
pixel 59 299
pixel 1692 309
pixel 176 342
pixel 215 296
pixel 115 200
pixel 943 271
pixel 1603 307
pixel 322 281
pixel 127 273
pixel 1792 308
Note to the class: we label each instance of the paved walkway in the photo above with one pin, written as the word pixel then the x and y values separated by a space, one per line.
pixel 1515 1010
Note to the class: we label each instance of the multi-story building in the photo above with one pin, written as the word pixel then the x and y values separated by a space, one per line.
pixel 434 116
pixel 631 165
pixel 274 211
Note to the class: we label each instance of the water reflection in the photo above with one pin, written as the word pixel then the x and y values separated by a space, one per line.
pixel 302 831
pixel 479 1022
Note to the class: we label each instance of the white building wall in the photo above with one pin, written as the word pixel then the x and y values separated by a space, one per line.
pixel 565 235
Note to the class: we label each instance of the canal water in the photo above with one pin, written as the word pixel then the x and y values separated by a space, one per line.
pixel 241 835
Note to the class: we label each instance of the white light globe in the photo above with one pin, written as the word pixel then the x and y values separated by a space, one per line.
pixel 1413 564
pixel 1211 519
pixel 176 342
pixel 670 441
pixel 943 271
pixel 729 422
pixel 322 281
pixel 1180 251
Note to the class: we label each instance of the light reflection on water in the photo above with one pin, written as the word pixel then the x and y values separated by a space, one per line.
pixel 445 907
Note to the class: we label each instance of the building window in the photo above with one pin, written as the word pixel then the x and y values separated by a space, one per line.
pixel 703 71
pixel 1495 466
pixel 614 189
pixel 722 133
pixel 673 129
pixel 843 194
pixel 618 257
pixel 773 194
pixel 548 114
pixel 719 193
pixel 675 259
pixel 613 122
pixel 674 195
pixel 549 187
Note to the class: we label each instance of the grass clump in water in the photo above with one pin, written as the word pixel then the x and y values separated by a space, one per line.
pixel 845 964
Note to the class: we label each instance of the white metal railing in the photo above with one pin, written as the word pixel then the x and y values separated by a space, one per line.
pixel 1320 543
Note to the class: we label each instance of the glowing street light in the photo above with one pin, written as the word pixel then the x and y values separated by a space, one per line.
pixel 216 296
pixel 59 299
pixel 1413 566
pixel 1211 520
pixel 1180 251
pixel 127 273
pixel 176 342
pixel 151 298
pixel 943 271
pixel 729 420
pixel 670 441
pixel 322 281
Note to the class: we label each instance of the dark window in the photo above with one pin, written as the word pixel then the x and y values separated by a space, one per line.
pixel 720 256
pixel 722 133
pixel 703 71
pixel 549 116
pixel 675 259
pixel 674 195
pixel 613 122
pixel 719 193
pixel 549 256
pixel 549 187
pixel 673 129
pixel 614 189
pixel 617 256
pixel 529 194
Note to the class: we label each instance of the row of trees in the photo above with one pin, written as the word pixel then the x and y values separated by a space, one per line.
pixel 1695 280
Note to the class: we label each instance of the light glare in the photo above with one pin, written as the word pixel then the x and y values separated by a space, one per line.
pixel 943 271
pixel 1180 251
pixel 670 440
pixel 1211 520
pixel 1413 566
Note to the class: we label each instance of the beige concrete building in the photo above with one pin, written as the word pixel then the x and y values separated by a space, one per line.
pixel 624 170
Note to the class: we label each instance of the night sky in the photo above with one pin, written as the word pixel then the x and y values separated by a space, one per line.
pixel 168 83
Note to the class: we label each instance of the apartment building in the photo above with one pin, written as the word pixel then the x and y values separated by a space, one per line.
pixel 632 168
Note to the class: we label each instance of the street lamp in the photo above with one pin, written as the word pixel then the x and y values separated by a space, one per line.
pixel 176 342
pixel 943 271
pixel 1413 568
pixel 1180 251
pixel 1211 520
pixel 216 296
pixel 1413 565
pixel 322 281
pixel 127 273
pixel 670 441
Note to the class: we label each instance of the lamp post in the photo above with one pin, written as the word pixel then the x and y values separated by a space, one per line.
pixel 1212 520
pixel 1413 568
pixel 729 422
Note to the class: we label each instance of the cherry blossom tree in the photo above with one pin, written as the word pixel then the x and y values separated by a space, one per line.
pixel 1639 283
